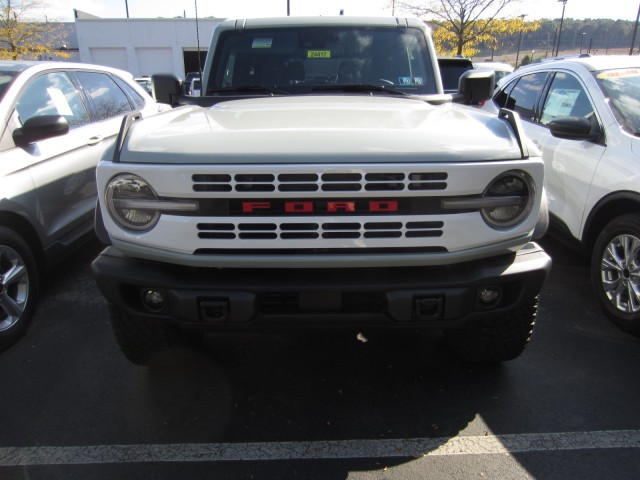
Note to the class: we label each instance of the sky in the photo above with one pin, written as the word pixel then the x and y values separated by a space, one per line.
pixel 62 10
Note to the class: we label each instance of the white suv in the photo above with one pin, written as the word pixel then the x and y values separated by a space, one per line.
pixel 584 115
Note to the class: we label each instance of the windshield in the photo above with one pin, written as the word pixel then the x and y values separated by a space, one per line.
pixel 621 87
pixel 451 70
pixel 297 59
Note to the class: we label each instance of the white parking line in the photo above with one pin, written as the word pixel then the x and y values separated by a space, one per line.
pixel 338 449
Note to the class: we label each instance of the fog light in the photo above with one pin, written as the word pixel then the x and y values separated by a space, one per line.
pixel 489 296
pixel 153 300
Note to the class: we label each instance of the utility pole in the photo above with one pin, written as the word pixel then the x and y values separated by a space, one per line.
pixel 635 30
pixel 126 5
pixel 564 4
pixel 195 2
pixel 520 38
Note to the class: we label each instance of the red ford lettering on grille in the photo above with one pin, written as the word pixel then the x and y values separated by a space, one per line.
pixel 250 207
pixel 320 206
pixel 298 207
pixel 335 207
pixel 383 206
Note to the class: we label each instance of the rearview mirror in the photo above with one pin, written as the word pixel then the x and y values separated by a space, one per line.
pixel 166 88
pixel 476 86
pixel 575 128
pixel 40 128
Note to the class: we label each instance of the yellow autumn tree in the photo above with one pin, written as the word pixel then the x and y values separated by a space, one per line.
pixel 26 34
pixel 479 33
pixel 460 26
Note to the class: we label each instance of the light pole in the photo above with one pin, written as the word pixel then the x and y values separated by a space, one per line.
pixel 582 41
pixel 564 4
pixel 520 38
pixel 635 30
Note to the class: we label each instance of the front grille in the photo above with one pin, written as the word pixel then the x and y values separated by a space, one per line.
pixel 312 231
pixel 326 182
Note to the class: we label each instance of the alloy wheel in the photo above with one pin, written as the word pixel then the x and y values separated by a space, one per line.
pixel 14 287
pixel 620 273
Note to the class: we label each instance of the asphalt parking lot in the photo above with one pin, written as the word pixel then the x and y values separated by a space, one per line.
pixel 321 405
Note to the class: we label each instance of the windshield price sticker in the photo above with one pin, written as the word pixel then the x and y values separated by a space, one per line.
pixel 613 74
pixel 319 54
pixel 262 43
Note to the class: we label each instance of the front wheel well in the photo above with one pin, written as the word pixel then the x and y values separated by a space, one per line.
pixel 605 211
pixel 23 228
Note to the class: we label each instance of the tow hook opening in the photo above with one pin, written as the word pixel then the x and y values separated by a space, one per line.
pixel 427 308
pixel 214 309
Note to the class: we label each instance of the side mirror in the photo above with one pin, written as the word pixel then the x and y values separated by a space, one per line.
pixel 476 86
pixel 40 128
pixel 575 128
pixel 166 88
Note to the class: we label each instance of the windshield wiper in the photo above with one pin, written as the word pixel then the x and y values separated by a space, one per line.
pixel 358 87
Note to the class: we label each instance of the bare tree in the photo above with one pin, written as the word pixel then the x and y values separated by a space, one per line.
pixel 465 22
pixel 24 34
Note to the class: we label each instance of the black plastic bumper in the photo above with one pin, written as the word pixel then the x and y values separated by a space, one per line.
pixel 231 299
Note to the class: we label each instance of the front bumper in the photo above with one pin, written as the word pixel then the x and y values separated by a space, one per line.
pixel 213 299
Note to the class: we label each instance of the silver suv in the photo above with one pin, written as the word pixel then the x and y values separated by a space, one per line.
pixel 57 121
pixel 584 115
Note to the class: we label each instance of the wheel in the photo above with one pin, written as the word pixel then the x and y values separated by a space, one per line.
pixel 18 287
pixel 150 342
pixel 615 271
pixel 496 339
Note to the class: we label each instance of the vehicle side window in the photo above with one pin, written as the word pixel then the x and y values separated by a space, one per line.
pixel 52 94
pixel 524 95
pixel 501 97
pixel 566 98
pixel 135 96
pixel 108 99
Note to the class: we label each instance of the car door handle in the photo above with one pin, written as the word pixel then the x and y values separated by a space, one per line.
pixel 95 140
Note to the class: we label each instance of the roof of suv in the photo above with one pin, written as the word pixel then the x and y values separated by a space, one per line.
pixel 324 21
pixel 22 65
pixel 591 63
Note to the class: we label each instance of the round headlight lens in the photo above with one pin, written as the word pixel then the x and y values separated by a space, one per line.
pixel 128 198
pixel 510 199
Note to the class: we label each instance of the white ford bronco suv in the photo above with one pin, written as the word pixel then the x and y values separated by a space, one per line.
pixel 322 179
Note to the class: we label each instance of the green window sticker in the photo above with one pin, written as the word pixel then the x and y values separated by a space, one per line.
pixel 319 54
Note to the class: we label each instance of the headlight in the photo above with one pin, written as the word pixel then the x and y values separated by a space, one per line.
pixel 508 199
pixel 130 200
pixel 134 205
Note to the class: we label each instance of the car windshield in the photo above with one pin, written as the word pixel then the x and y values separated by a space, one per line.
pixel 451 69
pixel 300 59
pixel 5 80
pixel 622 89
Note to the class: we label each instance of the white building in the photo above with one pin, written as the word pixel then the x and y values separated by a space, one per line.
pixel 144 46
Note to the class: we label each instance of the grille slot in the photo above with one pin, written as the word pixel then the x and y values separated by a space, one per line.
pixel 347 181
pixel 311 231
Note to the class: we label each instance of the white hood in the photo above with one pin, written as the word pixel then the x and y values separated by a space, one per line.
pixel 308 129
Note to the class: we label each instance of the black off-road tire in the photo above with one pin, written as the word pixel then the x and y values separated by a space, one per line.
pixel 21 290
pixel 150 342
pixel 625 226
pixel 496 339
